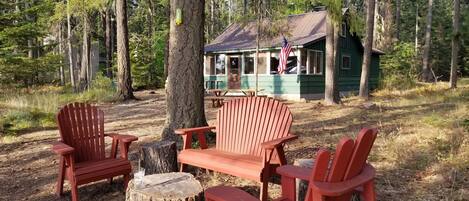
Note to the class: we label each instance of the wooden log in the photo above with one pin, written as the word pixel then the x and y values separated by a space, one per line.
pixel 302 185
pixel 159 157
pixel 176 186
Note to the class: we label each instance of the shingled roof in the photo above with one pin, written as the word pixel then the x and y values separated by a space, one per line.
pixel 302 29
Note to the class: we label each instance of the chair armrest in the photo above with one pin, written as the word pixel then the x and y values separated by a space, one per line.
pixel 294 172
pixel 62 148
pixel 122 138
pixel 339 188
pixel 185 131
pixel 277 142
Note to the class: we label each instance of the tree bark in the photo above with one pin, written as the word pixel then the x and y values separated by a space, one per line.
pixel 456 42
pixel 331 93
pixel 123 58
pixel 416 45
pixel 185 87
pixel 108 41
pixel 370 20
pixel 427 75
pixel 86 51
pixel 159 157
pixel 70 49
pixel 398 19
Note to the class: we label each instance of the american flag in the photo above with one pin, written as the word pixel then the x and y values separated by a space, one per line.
pixel 283 57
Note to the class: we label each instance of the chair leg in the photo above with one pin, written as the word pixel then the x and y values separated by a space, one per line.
pixel 263 191
pixel 60 178
pixel 369 191
pixel 126 181
pixel 182 167
pixel 74 191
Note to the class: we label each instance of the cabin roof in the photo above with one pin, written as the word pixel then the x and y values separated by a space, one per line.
pixel 299 30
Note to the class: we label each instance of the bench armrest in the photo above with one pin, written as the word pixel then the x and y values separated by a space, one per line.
pixel 186 134
pixel 122 138
pixel 292 171
pixel 340 188
pixel 277 142
pixel 185 131
pixel 62 148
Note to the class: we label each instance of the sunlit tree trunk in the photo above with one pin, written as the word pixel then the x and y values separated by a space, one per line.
pixel 456 42
pixel 416 41
pixel 370 20
pixel 185 87
pixel 85 58
pixel 123 59
pixel 61 68
pixel 427 75
pixel 108 41
pixel 71 62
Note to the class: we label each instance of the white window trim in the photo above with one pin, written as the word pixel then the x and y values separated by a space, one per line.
pixel 321 65
pixel 342 62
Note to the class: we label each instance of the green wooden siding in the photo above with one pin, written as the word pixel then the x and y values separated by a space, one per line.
pixel 348 79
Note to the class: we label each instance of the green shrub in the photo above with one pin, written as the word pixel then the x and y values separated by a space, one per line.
pixel 399 69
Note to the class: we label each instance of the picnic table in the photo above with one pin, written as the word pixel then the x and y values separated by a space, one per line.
pixel 219 95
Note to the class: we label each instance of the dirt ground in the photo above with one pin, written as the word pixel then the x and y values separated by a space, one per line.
pixel 28 169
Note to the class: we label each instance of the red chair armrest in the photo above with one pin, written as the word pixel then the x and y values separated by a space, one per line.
pixel 339 188
pixel 294 172
pixel 62 148
pixel 184 131
pixel 122 138
pixel 277 142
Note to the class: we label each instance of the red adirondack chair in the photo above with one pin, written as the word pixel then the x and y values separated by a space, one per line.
pixel 348 173
pixel 250 135
pixel 81 148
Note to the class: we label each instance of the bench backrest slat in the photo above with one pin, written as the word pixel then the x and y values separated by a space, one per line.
pixel 245 123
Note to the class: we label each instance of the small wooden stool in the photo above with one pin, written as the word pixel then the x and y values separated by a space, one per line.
pixel 225 193
pixel 173 186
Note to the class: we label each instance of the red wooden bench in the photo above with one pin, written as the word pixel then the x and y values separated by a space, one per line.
pixel 250 135
pixel 81 148
pixel 334 181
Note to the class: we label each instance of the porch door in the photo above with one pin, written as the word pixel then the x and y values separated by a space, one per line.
pixel 234 73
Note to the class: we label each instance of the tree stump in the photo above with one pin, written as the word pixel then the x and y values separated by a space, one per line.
pixel 159 157
pixel 176 186
pixel 302 185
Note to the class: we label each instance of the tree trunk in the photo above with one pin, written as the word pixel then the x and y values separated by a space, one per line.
pixel 398 19
pixel 258 32
pixel 159 157
pixel 70 49
pixel 370 20
pixel 427 75
pixel 85 58
pixel 331 93
pixel 456 42
pixel 123 58
pixel 61 52
pixel 416 45
pixel 108 41
pixel 166 47
pixel 185 87
pixel 245 7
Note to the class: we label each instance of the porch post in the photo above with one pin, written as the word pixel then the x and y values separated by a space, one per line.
pixel 307 62
pixel 205 65
pixel 242 64
pixel 267 69
pixel 298 61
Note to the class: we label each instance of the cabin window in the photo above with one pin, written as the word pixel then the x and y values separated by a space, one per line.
pixel 210 65
pixel 315 62
pixel 249 64
pixel 220 64
pixel 346 62
pixel 343 30
pixel 292 63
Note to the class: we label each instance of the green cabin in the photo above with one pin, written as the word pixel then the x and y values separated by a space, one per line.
pixel 230 59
